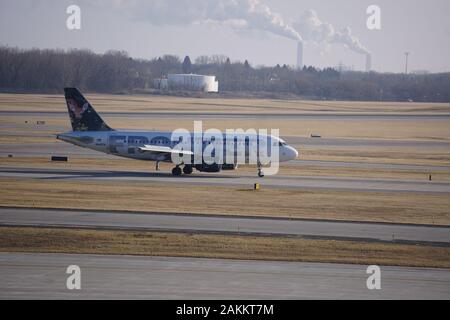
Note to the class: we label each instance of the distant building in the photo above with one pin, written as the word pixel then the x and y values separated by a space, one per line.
pixel 191 82
pixel 343 68
pixel 420 72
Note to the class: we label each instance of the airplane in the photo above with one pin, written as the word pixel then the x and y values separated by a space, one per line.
pixel 90 131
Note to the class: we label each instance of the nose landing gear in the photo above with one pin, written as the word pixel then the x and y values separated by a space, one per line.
pixel 260 171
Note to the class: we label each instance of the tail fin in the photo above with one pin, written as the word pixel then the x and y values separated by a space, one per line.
pixel 82 115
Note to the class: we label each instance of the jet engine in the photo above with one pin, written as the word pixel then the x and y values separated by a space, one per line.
pixel 208 167
pixel 229 166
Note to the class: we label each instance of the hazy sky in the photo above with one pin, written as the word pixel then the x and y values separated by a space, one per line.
pixel 148 29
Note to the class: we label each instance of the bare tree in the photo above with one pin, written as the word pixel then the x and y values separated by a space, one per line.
pixel 37 70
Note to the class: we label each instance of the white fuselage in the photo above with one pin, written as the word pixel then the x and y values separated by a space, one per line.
pixel 128 143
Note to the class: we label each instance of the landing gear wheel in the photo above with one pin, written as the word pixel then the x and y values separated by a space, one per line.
pixel 176 171
pixel 187 169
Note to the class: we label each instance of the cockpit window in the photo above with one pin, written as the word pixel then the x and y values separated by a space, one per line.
pixel 282 143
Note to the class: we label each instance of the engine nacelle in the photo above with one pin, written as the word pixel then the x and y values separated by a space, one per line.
pixel 208 167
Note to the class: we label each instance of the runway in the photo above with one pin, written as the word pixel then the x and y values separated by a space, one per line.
pixel 242 181
pixel 369 165
pixel 42 276
pixel 316 229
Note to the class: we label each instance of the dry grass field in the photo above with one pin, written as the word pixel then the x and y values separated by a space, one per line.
pixel 146 103
pixel 293 203
pixel 16 239
pixel 346 128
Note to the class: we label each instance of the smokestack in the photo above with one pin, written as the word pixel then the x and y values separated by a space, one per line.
pixel 368 62
pixel 406 63
pixel 299 55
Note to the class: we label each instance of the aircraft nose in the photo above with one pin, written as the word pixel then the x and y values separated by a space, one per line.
pixel 293 153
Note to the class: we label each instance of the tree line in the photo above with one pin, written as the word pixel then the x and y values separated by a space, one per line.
pixel 49 70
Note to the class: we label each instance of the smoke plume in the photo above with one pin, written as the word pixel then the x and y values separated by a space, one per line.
pixel 236 14
pixel 313 29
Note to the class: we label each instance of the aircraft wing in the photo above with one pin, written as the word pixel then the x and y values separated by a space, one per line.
pixel 163 149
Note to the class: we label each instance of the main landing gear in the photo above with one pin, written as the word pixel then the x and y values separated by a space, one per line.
pixel 186 170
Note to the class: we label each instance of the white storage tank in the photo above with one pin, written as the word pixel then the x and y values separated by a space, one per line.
pixel 195 82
